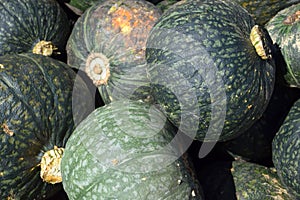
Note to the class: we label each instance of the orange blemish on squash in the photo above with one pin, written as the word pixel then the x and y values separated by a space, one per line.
pixel 289 20
pixel 122 19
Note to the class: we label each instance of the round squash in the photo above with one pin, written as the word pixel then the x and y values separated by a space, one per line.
pixel 108 43
pixel 263 11
pixel 253 181
pixel 38 26
pixel 285 151
pixel 41 101
pixel 125 150
pixel 255 144
pixel 210 68
pixel 284 29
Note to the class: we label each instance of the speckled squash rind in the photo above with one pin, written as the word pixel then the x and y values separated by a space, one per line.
pixel 116 31
pixel 83 4
pixel 26 22
pixel 286 153
pixel 122 151
pixel 263 11
pixel 200 57
pixel 255 144
pixel 254 181
pixel 285 31
pixel 36 114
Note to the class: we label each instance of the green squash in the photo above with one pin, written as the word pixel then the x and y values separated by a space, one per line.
pixel 263 10
pixel 284 29
pixel 82 5
pixel 255 144
pixel 206 70
pixel 41 101
pixel 285 150
pixel 38 26
pixel 125 150
pixel 165 4
pixel 253 181
pixel 108 43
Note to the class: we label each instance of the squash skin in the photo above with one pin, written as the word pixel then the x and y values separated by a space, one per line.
pixel 237 83
pixel 287 35
pixel 36 114
pixel 255 144
pixel 20 33
pixel 123 154
pixel 263 11
pixel 285 151
pixel 253 181
pixel 117 30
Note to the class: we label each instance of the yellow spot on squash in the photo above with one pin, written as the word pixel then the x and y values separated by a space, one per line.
pixel 115 161
pixel 7 130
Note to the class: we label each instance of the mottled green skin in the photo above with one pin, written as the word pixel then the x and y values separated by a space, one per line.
pixel 94 33
pixel 240 82
pixel 165 4
pixel 26 22
pixel 263 10
pixel 286 153
pixel 255 144
pixel 83 4
pixel 287 36
pixel 120 151
pixel 36 99
pixel 254 181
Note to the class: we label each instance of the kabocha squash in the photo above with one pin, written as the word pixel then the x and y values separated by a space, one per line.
pixel 108 43
pixel 263 11
pixel 82 5
pixel 38 26
pixel 125 150
pixel 286 153
pixel 208 68
pixel 41 101
pixel 255 144
pixel 253 181
pixel 165 4
pixel 284 29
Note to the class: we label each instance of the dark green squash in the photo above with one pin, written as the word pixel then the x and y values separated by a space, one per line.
pixel 41 102
pixel 165 4
pixel 284 29
pixel 39 26
pixel 125 150
pixel 204 70
pixel 82 5
pixel 263 10
pixel 253 181
pixel 255 144
pixel 285 150
pixel 108 43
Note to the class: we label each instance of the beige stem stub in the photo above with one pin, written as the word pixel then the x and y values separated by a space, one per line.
pixel 257 40
pixel 45 48
pixel 97 68
pixel 50 165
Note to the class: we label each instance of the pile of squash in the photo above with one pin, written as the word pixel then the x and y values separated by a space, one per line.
pixel 144 99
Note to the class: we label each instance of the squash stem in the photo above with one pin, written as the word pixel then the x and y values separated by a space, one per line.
pixel 50 165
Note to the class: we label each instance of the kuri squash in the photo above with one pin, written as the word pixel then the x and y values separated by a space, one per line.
pixel 210 67
pixel 108 43
pixel 284 29
pixel 41 102
pixel 126 150
pixel 38 26
pixel 286 153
